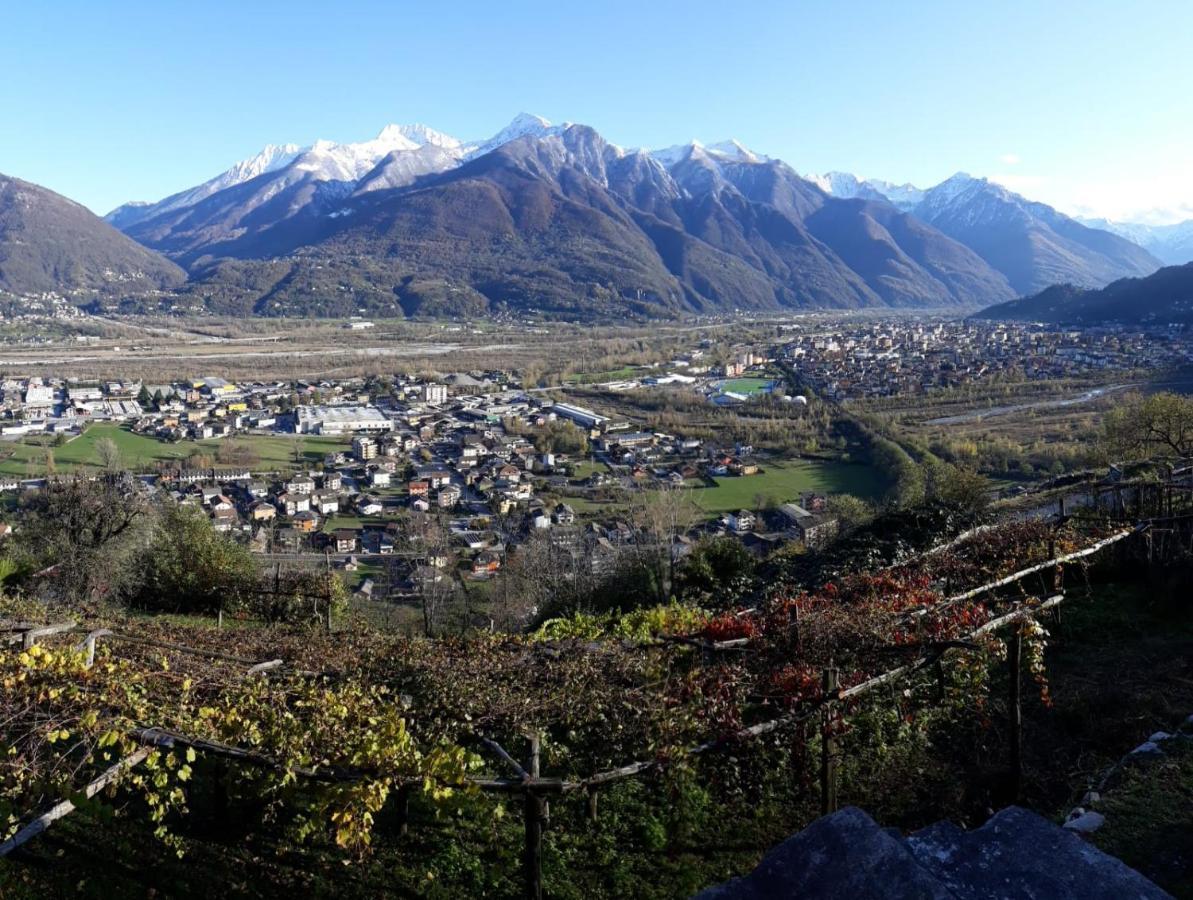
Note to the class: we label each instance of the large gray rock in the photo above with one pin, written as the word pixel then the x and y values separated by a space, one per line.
pixel 845 856
pixel 1016 855
pixel 1085 821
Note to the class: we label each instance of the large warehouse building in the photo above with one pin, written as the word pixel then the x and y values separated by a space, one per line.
pixel 581 416
pixel 340 420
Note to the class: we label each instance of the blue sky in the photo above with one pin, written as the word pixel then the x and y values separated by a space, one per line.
pixel 1086 105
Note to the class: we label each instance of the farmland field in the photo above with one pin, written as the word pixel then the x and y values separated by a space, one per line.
pixel 783 481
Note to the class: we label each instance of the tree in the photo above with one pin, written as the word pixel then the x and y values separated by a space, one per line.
pixel 240 453
pixel 1159 426
pixel 718 569
pixel 542 578
pixel 962 488
pixel 144 398
pixel 191 567
pixel 850 511
pixel 663 516
pixel 108 454
pixel 428 540
pixel 562 437
pixel 82 536
pixel 906 478
pixel 198 458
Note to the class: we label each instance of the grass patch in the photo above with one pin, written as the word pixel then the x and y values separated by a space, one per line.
pixel 142 453
pixel 137 451
pixel 585 468
pixel 1148 822
pixel 344 521
pixel 276 451
pixel 783 481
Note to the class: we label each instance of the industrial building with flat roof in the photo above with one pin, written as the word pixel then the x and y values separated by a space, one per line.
pixel 580 416
pixel 340 420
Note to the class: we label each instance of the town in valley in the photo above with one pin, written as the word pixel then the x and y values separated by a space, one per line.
pixel 350 472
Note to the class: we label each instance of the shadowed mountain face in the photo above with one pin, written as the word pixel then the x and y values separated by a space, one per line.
pixel 51 244
pixel 1164 297
pixel 557 220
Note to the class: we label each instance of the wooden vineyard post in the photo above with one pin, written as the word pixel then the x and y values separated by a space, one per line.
pixel 535 813
pixel 592 805
pixel 828 755
pixel 1058 579
pixel 327 589
pixel 403 801
pixel 1015 709
pixel 87 645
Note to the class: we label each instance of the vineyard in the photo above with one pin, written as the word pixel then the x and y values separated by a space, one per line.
pixel 330 734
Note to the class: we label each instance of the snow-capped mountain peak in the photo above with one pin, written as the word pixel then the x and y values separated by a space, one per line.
pixel 733 150
pixel 420 135
pixel 956 184
pixel 332 161
pixel 271 158
pixel 847 186
pixel 844 185
pixel 720 152
pixel 669 156
pixel 523 125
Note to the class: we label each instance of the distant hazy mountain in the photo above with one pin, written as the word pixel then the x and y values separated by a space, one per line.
pixel 1165 296
pixel 547 217
pixel 1030 243
pixel 1171 244
pixel 842 184
pixel 51 244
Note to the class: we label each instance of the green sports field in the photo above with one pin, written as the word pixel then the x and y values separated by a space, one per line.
pixel 783 482
pixel 746 385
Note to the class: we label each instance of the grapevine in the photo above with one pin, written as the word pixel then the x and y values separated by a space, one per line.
pixel 368 713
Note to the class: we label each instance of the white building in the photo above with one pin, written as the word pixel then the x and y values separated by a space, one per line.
pixel 580 416
pixel 340 420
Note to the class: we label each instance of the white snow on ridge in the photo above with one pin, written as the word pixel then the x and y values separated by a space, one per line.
pixel 722 151
pixel 271 158
pixel 523 125
pixel 734 150
pixel 847 186
pixel 421 135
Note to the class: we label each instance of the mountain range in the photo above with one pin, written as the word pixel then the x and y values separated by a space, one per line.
pixel 555 219
pixel 1165 297
pixel 1031 243
pixel 1171 244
